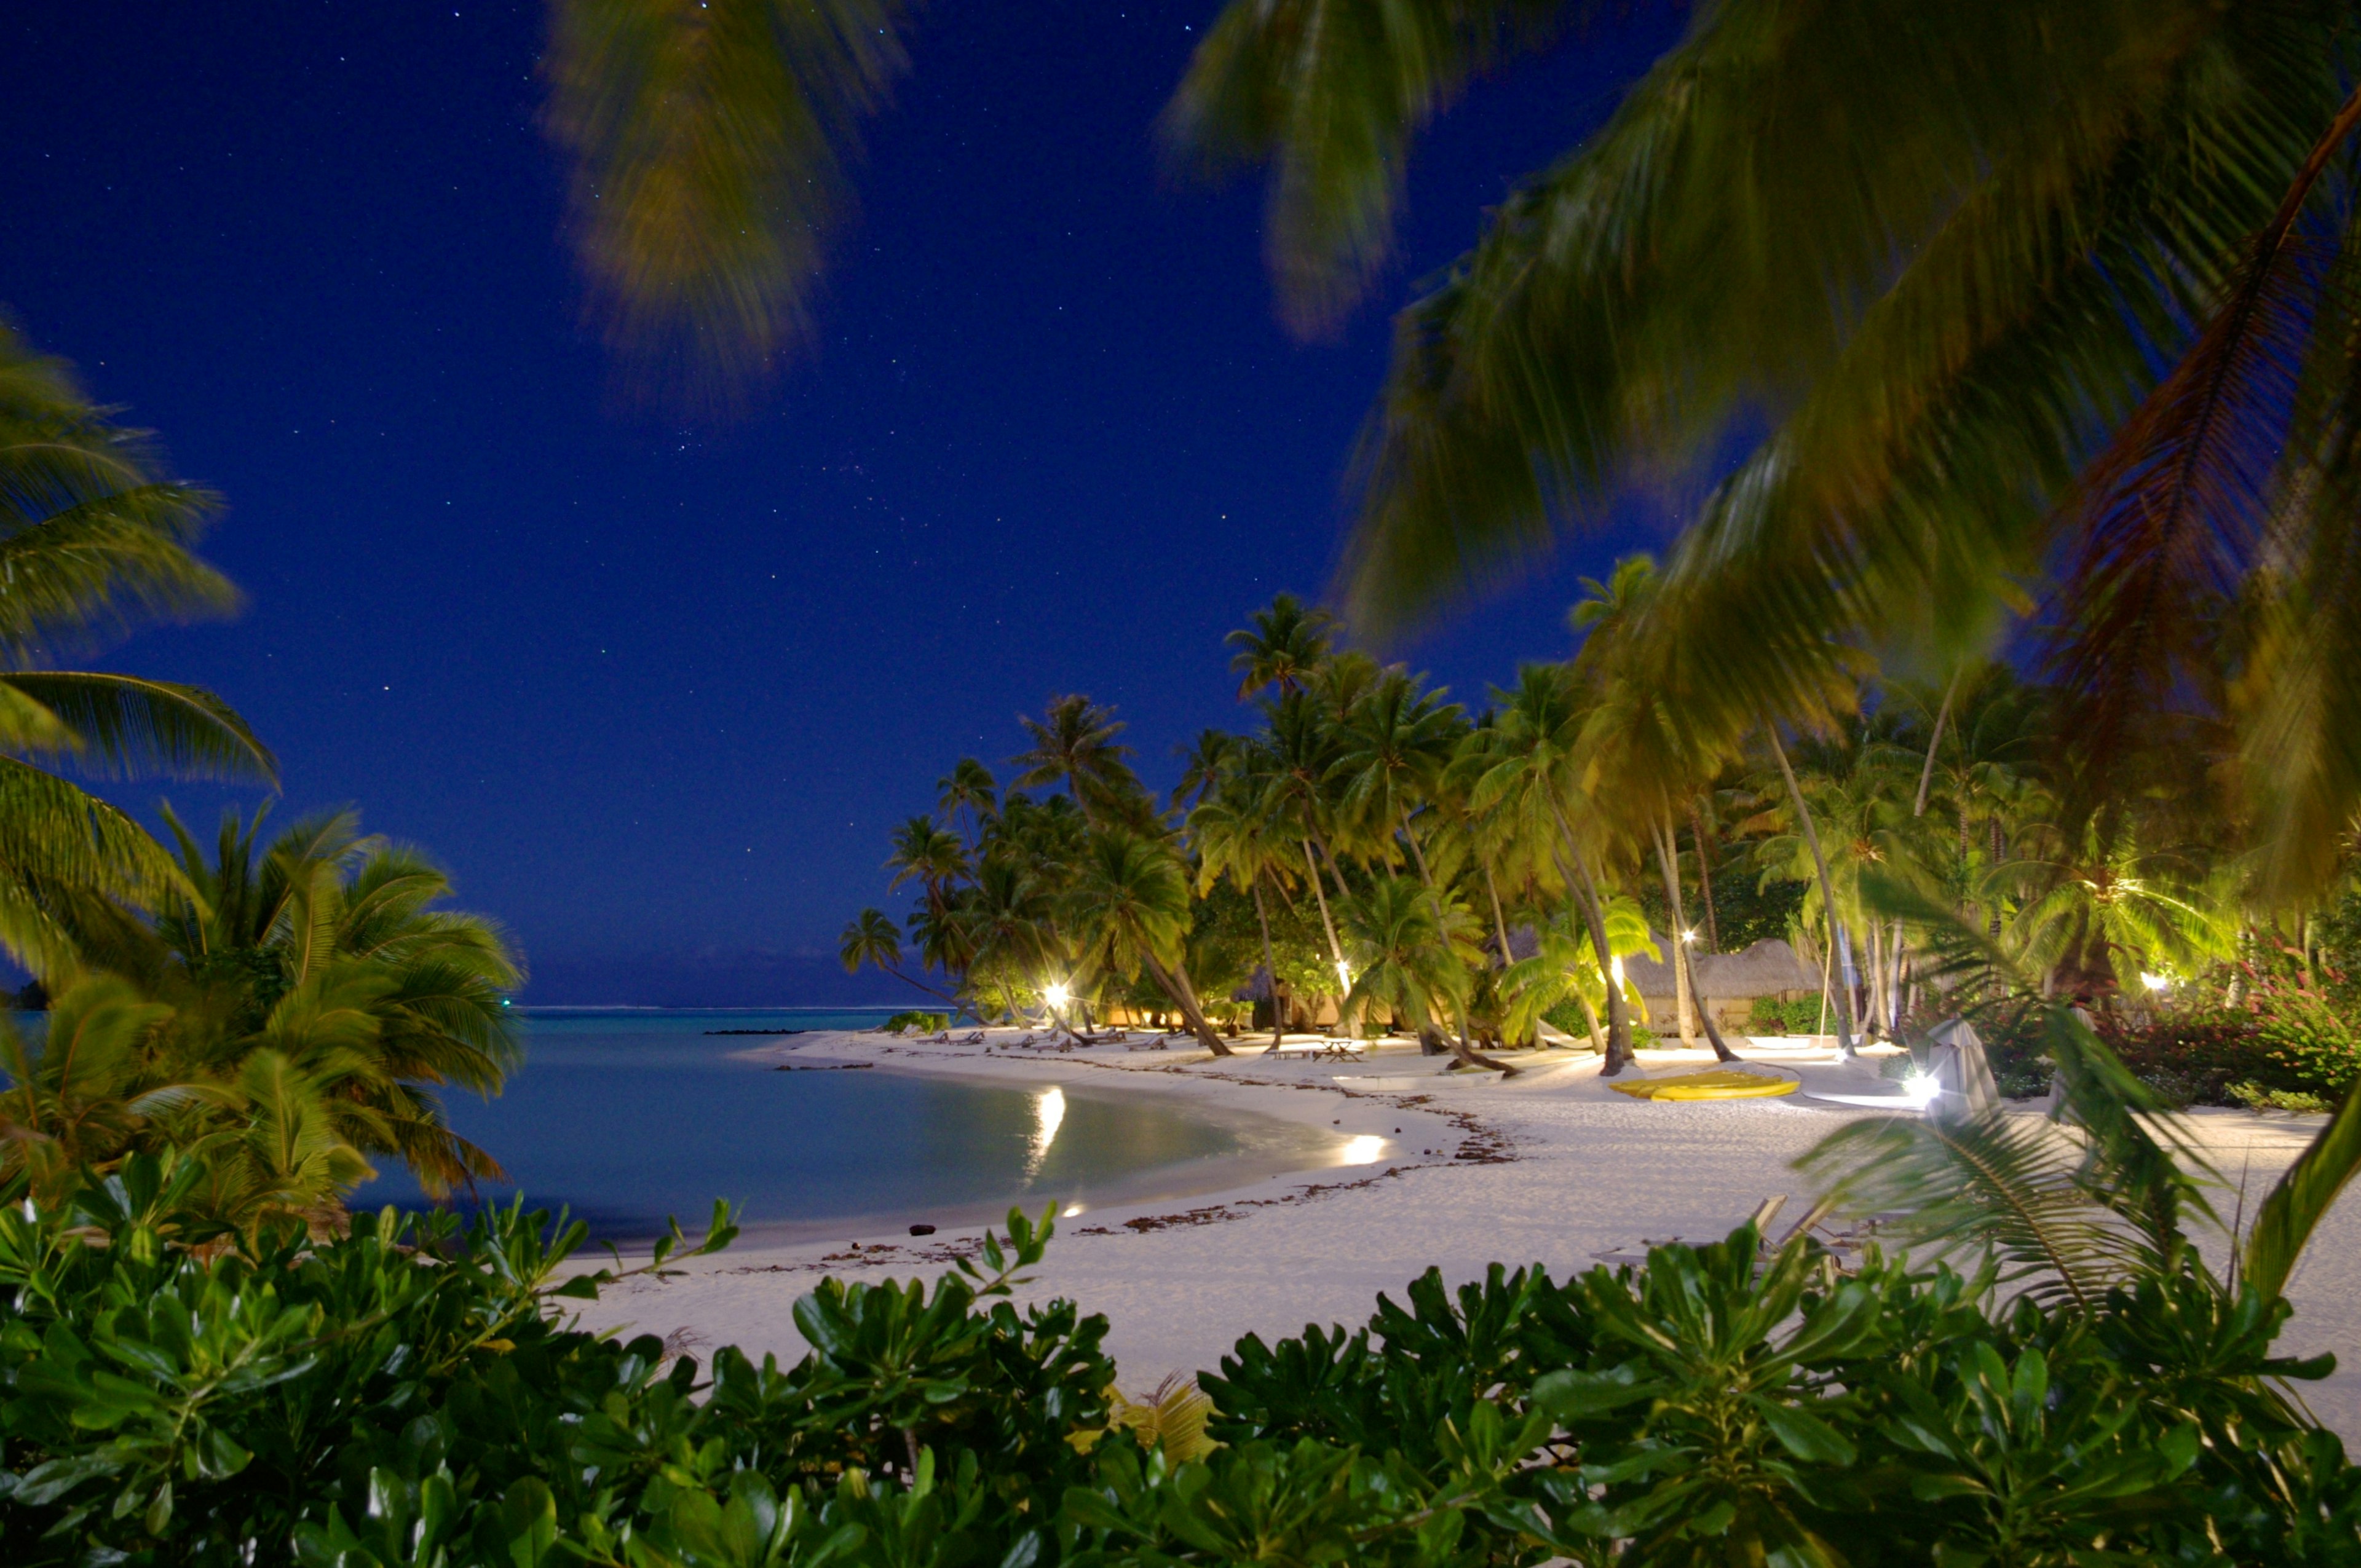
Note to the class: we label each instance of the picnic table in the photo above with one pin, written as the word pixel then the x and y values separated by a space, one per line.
pixel 1321 1051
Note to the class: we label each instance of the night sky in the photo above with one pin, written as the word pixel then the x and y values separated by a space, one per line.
pixel 656 692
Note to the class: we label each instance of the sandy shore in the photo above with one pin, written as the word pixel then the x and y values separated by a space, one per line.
pixel 1449 1169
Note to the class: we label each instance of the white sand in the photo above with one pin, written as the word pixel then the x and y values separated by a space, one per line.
pixel 1550 1166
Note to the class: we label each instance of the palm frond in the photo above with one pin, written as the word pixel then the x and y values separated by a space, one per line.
pixel 2300 1199
pixel 2012 1186
pixel 709 146
pixel 122 726
pixel 1330 93
pixel 2168 514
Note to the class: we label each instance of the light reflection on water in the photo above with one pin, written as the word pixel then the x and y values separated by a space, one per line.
pixel 631 1117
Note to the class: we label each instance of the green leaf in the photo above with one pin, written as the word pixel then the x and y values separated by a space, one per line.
pixel 1806 1435
pixel 528 1521
pixel 2298 1199
pixel 1571 1394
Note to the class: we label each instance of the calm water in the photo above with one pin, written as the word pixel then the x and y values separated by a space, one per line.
pixel 630 1115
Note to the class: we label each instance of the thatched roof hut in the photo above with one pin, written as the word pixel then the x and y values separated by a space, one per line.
pixel 1730 981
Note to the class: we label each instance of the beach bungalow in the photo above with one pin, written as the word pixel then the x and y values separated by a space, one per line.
pixel 1728 982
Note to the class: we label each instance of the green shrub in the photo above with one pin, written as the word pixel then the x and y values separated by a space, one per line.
pixel 923 1023
pixel 414 1394
pixel 1567 1016
pixel 2255 1097
pixel 2298 1046
pixel 1773 1015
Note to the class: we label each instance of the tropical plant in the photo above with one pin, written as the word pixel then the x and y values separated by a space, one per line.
pixel 1281 647
pixel 413 1393
pixel 94 541
pixel 2074 304
pixel 1412 954
pixel 1074 745
pixel 326 947
pixel 1129 910
pixel 871 939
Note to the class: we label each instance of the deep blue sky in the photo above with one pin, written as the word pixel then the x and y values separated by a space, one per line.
pixel 655 692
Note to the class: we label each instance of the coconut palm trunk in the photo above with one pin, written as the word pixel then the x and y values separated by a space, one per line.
pixel 1500 921
pixel 1840 941
pixel 1691 1002
pixel 1328 924
pixel 1668 863
pixel 1270 967
pixel 1934 742
pixel 1175 982
pixel 1594 916
pixel 1705 876
pixel 1429 1036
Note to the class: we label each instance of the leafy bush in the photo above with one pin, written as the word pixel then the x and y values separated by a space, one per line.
pixel 1566 1017
pixel 2255 1097
pixel 923 1023
pixel 411 1394
pixel 2291 1042
pixel 1773 1015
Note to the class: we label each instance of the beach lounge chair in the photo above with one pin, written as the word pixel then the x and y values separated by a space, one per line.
pixel 974 1039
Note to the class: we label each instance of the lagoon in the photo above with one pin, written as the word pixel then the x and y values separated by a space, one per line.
pixel 630 1115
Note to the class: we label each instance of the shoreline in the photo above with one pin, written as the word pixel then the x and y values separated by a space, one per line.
pixel 1550 1168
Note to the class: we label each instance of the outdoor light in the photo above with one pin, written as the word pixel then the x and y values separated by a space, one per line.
pixel 1363 1149
pixel 1688 935
pixel 1345 974
pixel 1072 1209
pixel 1058 995
pixel 1920 1088
pixel 1615 968
pixel 2157 981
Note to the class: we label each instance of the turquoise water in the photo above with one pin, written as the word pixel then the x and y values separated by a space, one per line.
pixel 630 1115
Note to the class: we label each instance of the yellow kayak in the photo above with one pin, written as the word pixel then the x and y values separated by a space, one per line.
pixel 1720 1083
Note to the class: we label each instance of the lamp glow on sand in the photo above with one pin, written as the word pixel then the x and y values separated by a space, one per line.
pixel 1920 1089
pixel 1366 1148
pixel 1058 995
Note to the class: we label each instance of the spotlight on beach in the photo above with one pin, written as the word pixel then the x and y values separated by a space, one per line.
pixel 1058 995
pixel 1070 1210
pixel 1920 1089
pixel 1366 1149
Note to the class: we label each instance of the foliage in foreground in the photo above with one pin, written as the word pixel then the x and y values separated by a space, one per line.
pixel 411 1394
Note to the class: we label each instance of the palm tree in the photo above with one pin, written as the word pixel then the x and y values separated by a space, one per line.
pixel 1534 772
pixel 1003 927
pixel 327 947
pixel 83 1100
pixel 1234 839
pixel 1281 646
pixel 1074 745
pixel 1129 910
pixel 968 795
pixel 1203 765
pixel 924 852
pixel 1392 749
pixel 1294 761
pixel 870 937
pixel 1645 757
pixel 1565 967
pixel 1414 954
pixel 94 541
pixel 2071 302
pixel 2088 920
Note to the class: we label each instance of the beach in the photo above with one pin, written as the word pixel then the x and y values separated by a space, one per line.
pixel 1451 1169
